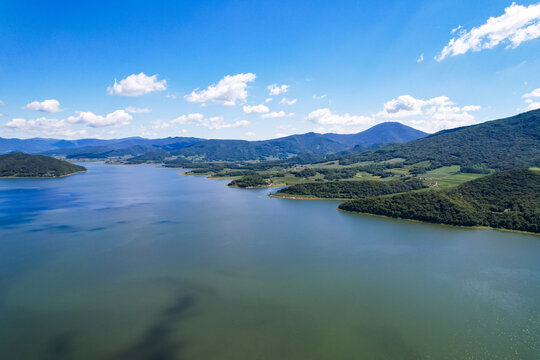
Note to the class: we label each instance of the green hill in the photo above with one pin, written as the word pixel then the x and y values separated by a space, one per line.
pixel 349 189
pixel 500 144
pixel 508 199
pixel 24 165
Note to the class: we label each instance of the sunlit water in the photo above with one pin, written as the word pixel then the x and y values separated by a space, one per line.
pixel 137 262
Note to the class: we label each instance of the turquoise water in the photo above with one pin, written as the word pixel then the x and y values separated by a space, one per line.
pixel 137 262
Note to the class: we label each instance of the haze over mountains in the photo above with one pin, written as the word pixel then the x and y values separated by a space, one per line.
pixel 216 150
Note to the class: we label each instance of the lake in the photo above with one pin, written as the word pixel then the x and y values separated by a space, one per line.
pixel 139 262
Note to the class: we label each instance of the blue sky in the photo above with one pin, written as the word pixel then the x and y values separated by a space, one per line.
pixel 204 68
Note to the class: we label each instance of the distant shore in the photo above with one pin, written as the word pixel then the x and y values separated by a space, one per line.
pixel 42 177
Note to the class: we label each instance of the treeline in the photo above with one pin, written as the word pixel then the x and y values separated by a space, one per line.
pixel 249 181
pixel 380 170
pixel 509 199
pixel 351 189
pixel 24 165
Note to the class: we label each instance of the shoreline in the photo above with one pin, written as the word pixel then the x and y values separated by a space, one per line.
pixel 476 227
pixel 42 177
pixel 305 198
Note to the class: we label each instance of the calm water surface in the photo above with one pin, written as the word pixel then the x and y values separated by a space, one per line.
pixel 137 262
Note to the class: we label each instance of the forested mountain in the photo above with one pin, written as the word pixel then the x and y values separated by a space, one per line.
pixel 385 133
pixel 24 165
pixel 213 150
pixel 499 144
pixel 508 199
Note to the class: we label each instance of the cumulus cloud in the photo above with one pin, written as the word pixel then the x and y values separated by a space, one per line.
pixel 228 91
pixel 277 89
pixel 256 109
pixel 533 94
pixel 278 114
pixel 133 110
pixel 198 119
pixel 532 99
pixel 116 118
pixel 46 106
pixel 420 59
pixel 404 105
pixel 518 24
pixel 327 117
pixel 137 85
pixel 70 127
pixel 44 127
pixel 268 100
pixel 431 115
pixel 288 102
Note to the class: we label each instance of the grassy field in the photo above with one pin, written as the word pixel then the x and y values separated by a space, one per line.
pixel 448 176
pixel 443 177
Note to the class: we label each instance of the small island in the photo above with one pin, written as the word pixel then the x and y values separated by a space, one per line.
pixel 21 165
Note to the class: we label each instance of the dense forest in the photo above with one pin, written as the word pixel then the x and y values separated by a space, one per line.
pixel 500 144
pixel 250 181
pixel 24 165
pixel 350 189
pixel 508 199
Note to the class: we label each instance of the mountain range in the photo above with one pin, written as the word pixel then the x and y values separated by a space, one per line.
pixel 214 149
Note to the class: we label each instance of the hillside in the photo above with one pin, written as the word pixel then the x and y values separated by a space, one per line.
pixel 508 199
pixel 25 165
pixel 499 144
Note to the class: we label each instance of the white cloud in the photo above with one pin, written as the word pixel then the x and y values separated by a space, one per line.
pixel 533 105
pixel 532 99
pixel 288 102
pixel 46 106
pixel 198 119
pixel 404 105
pixel 431 115
pixel 420 59
pixel 133 110
pixel 268 100
pixel 327 117
pixel 534 93
pixel 217 123
pixel 137 85
pixel 277 89
pixel 188 119
pixel 518 24
pixel 116 118
pixel 318 97
pixel 228 91
pixel 43 127
pixel 251 134
pixel 257 109
pixel 454 30
pixel 274 115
